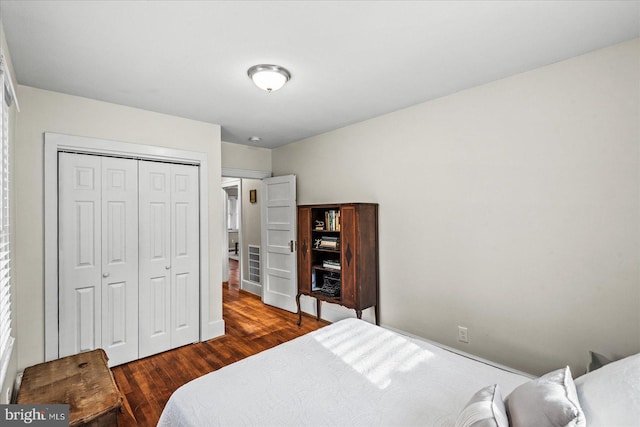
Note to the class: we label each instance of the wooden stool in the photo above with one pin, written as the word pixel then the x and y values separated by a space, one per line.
pixel 83 381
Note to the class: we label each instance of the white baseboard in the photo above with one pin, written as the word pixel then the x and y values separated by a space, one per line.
pixel 215 329
pixel 253 287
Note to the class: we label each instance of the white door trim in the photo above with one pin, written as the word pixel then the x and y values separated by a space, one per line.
pixel 53 143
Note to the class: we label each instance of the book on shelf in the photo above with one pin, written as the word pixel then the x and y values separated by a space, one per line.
pixel 328 242
pixel 331 264
pixel 332 220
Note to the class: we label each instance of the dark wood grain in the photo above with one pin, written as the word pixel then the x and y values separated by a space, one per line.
pixel 82 381
pixel 251 327
pixel 357 252
pixel 234 274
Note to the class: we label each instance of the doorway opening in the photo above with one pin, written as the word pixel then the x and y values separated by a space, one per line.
pixel 242 219
pixel 266 237
pixel 233 221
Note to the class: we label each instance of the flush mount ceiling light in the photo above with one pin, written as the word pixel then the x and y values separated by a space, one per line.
pixel 269 77
pixel 255 139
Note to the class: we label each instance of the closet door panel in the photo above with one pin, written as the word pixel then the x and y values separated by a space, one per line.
pixel 185 255
pixel 120 259
pixel 80 263
pixel 155 258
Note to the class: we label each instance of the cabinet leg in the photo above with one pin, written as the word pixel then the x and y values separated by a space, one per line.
pixel 359 313
pixel 299 310
pixel 375 312
pixel 318 302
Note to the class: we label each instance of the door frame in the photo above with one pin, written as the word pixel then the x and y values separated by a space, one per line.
pixel 240 174
pixel 54 143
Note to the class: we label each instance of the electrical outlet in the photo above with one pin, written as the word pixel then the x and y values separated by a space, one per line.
pixel 463 334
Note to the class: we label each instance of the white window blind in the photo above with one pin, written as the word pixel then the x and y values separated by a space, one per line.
pixel 6 340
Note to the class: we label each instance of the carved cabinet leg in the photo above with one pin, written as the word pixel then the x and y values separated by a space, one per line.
pixel 359 313
pixel 299 310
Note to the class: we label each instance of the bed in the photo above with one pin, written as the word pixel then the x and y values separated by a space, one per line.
pixel 352 373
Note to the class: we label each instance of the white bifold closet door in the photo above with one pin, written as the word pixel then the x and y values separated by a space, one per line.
pixel 169 256
pixel 98 256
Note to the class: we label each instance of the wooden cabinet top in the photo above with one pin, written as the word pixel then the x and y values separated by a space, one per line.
pixel 334 205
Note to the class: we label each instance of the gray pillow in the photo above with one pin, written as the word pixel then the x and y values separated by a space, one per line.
pixel 610 396
pixel 549 401
pixel 485 409
pixel 596 361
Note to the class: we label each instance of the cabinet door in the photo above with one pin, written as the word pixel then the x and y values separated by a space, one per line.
pixel 349 239
pixel 304 249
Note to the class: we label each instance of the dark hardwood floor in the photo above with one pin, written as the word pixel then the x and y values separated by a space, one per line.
pixel 234 273
pixel 251 327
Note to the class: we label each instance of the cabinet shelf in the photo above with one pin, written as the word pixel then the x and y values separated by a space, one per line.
pixel 334 251
pixel 327 298
pixel 356 283
pixel 321 268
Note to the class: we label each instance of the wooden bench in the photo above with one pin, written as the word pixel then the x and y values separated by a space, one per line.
pixel 83 381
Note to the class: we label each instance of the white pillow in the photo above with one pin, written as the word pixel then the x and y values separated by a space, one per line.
pixel 549 401
pixel 610 396
pixel 485 409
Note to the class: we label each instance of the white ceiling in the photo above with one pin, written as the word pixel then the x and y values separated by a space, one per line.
pixel 350 61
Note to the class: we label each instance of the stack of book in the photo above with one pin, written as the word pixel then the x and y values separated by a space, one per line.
pixel 329 242
pixel 332 220
pixel 333 265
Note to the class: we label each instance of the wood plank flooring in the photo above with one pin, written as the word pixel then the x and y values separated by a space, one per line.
pixel 251 327
pixel 234 273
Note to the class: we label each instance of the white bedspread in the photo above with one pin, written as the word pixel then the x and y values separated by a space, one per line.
pixel 350 373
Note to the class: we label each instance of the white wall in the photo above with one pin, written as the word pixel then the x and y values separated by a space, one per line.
pixel 511 208
pixel 44 111
pixel 237 156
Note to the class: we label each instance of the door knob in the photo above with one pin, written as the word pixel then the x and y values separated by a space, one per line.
pixel 168 267
pixel 105 275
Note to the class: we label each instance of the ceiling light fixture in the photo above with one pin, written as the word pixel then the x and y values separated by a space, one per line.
pixel 269 77
pixel 255 139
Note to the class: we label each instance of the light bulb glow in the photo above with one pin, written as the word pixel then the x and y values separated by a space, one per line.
pixel 269 77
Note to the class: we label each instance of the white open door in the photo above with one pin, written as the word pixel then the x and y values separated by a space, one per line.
pixel 279 219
